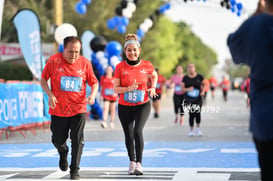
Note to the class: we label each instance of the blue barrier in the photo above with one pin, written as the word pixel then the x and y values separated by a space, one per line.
pixel 21 103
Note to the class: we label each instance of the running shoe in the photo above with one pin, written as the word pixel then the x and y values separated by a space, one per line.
pixel 132 168
pixel 156 115
pixel 191 134
pixel 112 125
pixel 103 124
pixel 199 132
pixel 63 164
pixel 176 120
pixel 74 175
pixel 138 169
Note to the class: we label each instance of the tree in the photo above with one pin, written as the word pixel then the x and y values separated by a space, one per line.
pixel 166 44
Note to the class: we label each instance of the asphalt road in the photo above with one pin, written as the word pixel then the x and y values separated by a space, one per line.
pixel 224 152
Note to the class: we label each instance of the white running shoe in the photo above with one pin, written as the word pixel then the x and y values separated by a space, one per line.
pixel 138 169
pixel 132 168
pixel 191 134
pixel 103 124
pixel 199 133
pixel 112 125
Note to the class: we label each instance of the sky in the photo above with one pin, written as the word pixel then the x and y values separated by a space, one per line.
pixel 211 22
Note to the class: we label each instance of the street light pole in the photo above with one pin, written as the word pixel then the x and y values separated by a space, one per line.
pixel 58 12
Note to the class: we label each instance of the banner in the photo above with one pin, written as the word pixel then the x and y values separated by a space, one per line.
pixel 20 104
pixel 28 30
pixel 86 38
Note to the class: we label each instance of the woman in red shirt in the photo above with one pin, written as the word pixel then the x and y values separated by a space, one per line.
pixel 225 87
pixel 109 97
pixel 130 82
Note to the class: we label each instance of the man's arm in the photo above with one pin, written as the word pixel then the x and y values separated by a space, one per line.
pixel 52 101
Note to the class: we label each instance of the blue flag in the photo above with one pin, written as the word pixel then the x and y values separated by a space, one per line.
pixel 28 29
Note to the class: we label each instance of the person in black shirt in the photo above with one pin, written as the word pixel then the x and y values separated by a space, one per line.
pixel 192 85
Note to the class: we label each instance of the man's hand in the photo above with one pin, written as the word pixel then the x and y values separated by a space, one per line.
pixel 52 101
pixel 90 100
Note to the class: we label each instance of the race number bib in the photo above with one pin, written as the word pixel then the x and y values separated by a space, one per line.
pixel 158 85
pixel 135 96
pixel 177 88
pixel 72 84
pixel 193 93
pixel 108 92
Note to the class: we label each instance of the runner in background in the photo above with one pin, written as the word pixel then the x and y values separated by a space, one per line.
pixel 176 83
pixel 159 86
pixel 109 97
pixel 247 90
pixel 206 89
pixel 193 86
pixel 225 86
pixel 213 85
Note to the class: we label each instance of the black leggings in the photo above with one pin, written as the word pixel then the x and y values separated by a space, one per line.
pixel 194 109
pixel 177 100
pixel 196 116
pixel 133 119
pixel 265 157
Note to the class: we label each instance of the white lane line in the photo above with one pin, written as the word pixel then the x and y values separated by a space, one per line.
pixel 57 175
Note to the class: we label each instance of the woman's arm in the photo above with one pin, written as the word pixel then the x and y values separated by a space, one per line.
pixel 154 78
pixel 119 89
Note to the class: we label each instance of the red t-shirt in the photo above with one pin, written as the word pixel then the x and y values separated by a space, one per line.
pixel 160 83
pixel 68 84
pixel 213 82
pixel 129 74
pixel 225 85
pixel 107 88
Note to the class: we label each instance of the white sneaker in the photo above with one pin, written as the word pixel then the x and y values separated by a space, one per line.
pixel 199 133
pixel 132 168
pixel 138 169
pixel 112 125
pixel 103 124
pixel 191 134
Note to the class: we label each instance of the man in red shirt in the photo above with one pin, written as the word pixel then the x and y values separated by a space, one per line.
pixel 68 73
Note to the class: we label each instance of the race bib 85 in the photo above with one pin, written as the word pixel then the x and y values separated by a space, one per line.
pixel 135 96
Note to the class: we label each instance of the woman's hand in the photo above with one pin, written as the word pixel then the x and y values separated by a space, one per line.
pixel 133 86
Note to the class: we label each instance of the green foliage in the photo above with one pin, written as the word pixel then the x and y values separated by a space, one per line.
pixel 43 8
pixel 166 44
pixel 239 71
pixel 195 51
pixel 12 71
